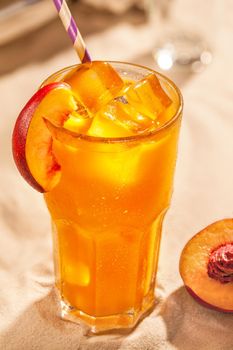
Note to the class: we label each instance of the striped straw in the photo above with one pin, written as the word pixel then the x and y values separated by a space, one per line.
pixel 72 30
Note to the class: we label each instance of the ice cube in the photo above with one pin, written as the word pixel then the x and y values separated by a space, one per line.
pixel 77 248
pixel 129 117
pixel 78 121
pixel 95 84
pixel 76 272
pixel 119 119
pixel 148 97
pixel 105 126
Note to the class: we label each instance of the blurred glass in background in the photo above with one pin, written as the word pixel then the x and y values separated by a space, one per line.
pixel 183 32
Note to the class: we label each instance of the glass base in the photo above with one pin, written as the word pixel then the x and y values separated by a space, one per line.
pixel 124 321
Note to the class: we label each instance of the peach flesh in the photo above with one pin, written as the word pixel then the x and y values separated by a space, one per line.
pixel 210 253
pixel 20 132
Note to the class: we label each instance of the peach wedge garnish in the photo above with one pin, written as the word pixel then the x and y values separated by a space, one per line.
pixel 32 142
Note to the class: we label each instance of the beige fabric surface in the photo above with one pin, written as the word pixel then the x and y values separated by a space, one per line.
pixel 203 193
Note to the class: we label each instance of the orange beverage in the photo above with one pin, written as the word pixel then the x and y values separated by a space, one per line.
pixel 108 208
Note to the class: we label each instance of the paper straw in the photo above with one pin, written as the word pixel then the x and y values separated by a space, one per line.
pixel 72 30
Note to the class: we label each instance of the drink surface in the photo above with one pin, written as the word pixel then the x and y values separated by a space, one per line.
pixel 108 207
pixel 109 106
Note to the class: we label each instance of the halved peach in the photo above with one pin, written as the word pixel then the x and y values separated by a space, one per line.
pixel 206 266
pixel 31 140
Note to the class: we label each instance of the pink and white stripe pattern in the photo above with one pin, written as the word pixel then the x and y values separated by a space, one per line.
pixel 72 30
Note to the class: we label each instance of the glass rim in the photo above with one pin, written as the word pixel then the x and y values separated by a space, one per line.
pixel 138 137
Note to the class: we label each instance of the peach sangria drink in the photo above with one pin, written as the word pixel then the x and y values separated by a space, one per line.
pixel 100 141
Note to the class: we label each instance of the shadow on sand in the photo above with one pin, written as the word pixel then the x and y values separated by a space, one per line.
pixel 40 327
pixel 186 325
pixel 191 326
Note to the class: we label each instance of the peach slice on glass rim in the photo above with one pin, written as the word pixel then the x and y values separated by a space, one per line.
pixel 32 141
pixel 206 266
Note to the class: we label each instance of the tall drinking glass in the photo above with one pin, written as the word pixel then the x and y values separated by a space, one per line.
pixel 107 214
